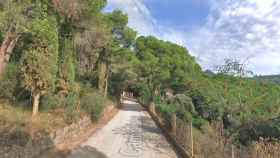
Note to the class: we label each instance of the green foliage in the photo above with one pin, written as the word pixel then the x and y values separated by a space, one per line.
pixel 72 99
pixel 93 6
pixel 268 78
pixel 123 71
pixel 252 132
pixel 198 122
pixel 143 93
pixel 9 82
pixel 234 100
pixel 71 103
pixel 67 68
pixel 164 64
pixel 1 36
pixel 129 36
pixel 51 101
pixel 93 103
pixel 123 35
pixel 62 37
pixel 118 19
pixel 166 110
pixel 14 14
pixel 183 103
pixel 39 62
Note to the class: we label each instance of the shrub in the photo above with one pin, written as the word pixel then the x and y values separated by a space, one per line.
pixel 144 93
pixel 9 82
pixel 85 88
pixel 1 36
pixel 166 112
pixel 93 103
pixel 184 103
pixel 198 122
pixel 71 103
pixel 268 129
pixel 51 102
pixel 207 107
pixel 184 115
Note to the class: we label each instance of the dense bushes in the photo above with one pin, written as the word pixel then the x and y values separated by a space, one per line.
pixel 93 104
pixel 239 103
pixel 184 106
pixel 51 102
pixel 254 131
pixel 71 102
pixel 181 105
pixel 143 93
pixel 8 83
pixel 166 112
pixel 87 100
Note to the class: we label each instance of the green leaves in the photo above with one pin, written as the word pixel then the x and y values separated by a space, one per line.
pixel 39 62
pixel 164 63
pixel 118 19
pixel 95 6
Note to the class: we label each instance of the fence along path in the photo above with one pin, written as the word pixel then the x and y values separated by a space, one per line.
pixel 197 146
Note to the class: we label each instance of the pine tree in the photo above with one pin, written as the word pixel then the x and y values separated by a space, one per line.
pixel 39 62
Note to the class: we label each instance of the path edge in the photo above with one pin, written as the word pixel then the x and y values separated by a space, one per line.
pixel 178 148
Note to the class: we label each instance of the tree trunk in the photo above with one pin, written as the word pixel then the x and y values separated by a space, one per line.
pixel 35 102
pixel 102 77
pixel 6 50
pixel 103 73
pixel 106 84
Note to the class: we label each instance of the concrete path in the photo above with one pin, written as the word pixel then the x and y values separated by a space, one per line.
pixel 130 134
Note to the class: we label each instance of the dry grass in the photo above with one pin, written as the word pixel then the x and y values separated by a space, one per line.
pixel 266 149
pixel 19 116
pixel 207 143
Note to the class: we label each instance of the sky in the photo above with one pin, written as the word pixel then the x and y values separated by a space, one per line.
pixel 213 30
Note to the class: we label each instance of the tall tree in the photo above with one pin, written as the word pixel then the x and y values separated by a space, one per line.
pixel 74 16
pixel 120 46
pixel 39 62
pixel 98 43
pixel 13 22
pixel 163 64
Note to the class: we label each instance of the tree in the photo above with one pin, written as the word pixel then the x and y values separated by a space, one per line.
pixel 39 62
pixel 122 59
pixel 123 71
pixel 163 64
pixel 13 22
pixel 108 38
pixel 75 19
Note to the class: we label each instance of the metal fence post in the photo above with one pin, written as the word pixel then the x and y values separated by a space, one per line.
pixel 191 135
pixel 173 124
pixel 152 108
pixel 232 151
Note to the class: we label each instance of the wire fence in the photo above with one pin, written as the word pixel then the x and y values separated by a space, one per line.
pixel 200 145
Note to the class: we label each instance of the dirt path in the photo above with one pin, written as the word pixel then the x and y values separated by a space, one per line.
pixel 130 134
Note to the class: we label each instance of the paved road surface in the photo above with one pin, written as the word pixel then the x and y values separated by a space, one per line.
pixel 130 134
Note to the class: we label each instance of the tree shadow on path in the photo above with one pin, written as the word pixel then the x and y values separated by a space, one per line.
pixel 81 152
pixel 87 152
pixel 152 137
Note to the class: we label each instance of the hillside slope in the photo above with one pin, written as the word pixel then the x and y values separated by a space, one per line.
pixel 269 78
